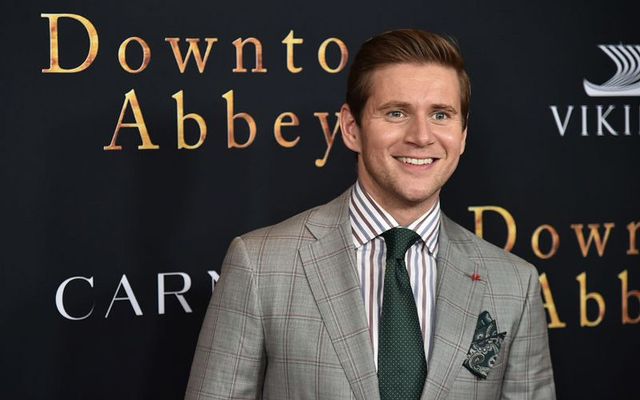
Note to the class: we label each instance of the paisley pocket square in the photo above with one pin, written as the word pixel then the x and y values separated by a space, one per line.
pixel 485 346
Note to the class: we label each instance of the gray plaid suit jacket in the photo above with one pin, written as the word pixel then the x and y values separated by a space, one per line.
pixel 287 320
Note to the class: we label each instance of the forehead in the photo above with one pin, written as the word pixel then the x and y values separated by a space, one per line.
pixel 414 83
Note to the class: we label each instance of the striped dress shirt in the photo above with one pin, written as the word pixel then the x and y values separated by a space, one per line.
pixel 368 221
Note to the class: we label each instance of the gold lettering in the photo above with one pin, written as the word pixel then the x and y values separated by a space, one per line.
pixel 633 242
pixel 239 44
pixel 122 55
pixel 322 55
pixel 202 125
pixel 231 117
pixel 584 298
pixel 54 59
pixel 626 319
pixel 478 212
pixel 594 236
pixel 291 41
pixel 201 62
pixel 549 304
pixel 535 241
pixel 329 136
pixel 130 98
pixel 277 129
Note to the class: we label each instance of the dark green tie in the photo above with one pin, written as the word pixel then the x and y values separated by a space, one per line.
pixel 402 367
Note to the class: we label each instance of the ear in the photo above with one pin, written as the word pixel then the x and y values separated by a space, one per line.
pixel 464 140
pixel 350 129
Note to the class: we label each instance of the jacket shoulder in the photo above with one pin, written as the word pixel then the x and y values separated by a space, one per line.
pixel 306 225
pixel 495 259
pixel 292 226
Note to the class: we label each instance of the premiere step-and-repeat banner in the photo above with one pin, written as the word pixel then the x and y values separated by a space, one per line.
pixel 138 138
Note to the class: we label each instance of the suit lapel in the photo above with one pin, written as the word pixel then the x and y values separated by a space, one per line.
pixel 330 266
pixel 458 302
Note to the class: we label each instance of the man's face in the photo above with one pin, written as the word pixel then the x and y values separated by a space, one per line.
pixel 410 137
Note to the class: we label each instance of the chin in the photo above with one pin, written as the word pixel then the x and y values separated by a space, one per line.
pixel 418 198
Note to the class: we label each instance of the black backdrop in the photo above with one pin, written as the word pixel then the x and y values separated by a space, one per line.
pixel 116 224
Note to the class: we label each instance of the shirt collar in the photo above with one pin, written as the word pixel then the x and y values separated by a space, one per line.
pixel 369 220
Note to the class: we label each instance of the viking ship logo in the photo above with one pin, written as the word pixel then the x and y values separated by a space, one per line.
pixel 626 80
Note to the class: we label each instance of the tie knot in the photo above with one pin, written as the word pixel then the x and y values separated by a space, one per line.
pixel 398 241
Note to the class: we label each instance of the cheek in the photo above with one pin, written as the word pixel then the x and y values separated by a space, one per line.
pixel 454 142
pixel 374 146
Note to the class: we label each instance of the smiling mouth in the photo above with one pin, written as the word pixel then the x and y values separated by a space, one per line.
pixel 416 161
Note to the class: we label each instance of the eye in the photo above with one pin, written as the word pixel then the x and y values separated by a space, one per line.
pixel 395 114
pixel 440 116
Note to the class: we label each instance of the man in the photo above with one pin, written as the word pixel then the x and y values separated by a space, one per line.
pixel 338 302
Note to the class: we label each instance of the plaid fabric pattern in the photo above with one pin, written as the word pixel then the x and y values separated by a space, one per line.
pixel 287 320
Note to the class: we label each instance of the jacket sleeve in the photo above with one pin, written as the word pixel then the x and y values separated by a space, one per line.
pixel 529 375
pixel 230 359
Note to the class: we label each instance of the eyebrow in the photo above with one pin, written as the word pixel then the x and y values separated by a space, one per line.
pixel 444 107
pixel 405 105
pixel 394 104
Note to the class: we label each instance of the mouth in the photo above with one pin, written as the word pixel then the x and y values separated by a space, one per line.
pixel 416 161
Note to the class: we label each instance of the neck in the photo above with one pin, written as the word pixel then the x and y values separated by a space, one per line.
pixel 406 218
pixel 406 215
pixel 404 212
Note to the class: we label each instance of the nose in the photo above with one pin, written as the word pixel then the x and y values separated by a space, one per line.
pixel 420 133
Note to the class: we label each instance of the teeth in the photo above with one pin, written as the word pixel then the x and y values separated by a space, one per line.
pixel 416 161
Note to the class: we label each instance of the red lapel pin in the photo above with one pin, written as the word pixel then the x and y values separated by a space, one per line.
pixel 475 277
